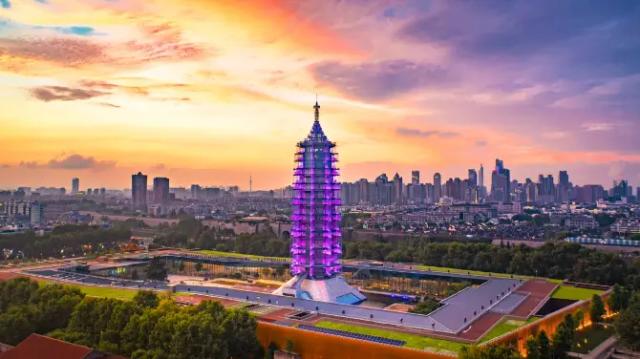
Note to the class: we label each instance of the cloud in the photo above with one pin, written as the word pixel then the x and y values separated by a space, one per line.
pixel 598 126
pixel 63 93
pixel 63 51
pixel 481 143
pixel 76 161
pixel 412 132
pixel 378 80
pixel 108 104
pixel 68 47
pixel 28 164
pixel 555 135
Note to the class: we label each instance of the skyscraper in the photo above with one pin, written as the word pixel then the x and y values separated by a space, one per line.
pixel 160 190
pixel 75 185
pixel 398 189
pixel 437 187
pixel 481 176
pixel 139 192
pixel 415 177
pixel 316 246
pixel 472 177
pixel 500 183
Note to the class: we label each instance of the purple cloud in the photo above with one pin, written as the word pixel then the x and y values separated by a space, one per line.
pixel 412 132
pixel 63 93
pixel 76 161
pixel 378 80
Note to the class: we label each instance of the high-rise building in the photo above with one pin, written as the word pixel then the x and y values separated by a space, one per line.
pixel 472 177
pixel 75 185
pixel 37 214
pixel 316 247
pixel 500 183
pixel 437 187
pixel 564 189
pixel 398 189
pixel 481 176
pixel 415 177
pixel 160 190
pixel 139 192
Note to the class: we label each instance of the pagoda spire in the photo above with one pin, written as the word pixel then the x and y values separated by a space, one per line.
pixel 316 108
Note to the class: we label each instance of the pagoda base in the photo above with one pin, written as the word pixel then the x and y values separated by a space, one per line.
pixel 332 290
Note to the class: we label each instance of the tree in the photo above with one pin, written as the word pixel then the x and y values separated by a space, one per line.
pixel 489 352
pixel 597 308
pixel 146 299
pixel 16 324
pixel 238 328
pixel 426 306
pixel 544 348
pixel 533 352
pixel 628 325
pixel 156 270
pixel 619 298
pixel 563 338
pixel 579 318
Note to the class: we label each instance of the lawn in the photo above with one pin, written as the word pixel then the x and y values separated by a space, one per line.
pixel 481 273
pixel 412 340
pixel 211 252
pixel 107 292
pixel 504 327
pixel 574 293
pixel 102 292
pixel 417 266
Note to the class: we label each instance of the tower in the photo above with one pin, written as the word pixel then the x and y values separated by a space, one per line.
pixel 75 185
pixel 160 190
pixel 316 246
pixel 139 192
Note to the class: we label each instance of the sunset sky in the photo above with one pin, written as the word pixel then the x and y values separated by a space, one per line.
pixel 211 92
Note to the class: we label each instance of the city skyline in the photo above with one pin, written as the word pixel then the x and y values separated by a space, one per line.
pixel 101 90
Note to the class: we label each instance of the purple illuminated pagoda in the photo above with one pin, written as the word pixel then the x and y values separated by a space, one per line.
pixel 316 247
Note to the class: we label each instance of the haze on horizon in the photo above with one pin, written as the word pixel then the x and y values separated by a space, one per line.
pixel 212 92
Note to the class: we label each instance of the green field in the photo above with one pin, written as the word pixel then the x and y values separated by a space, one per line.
pixel 102 292
pixel 211 252
pixel 574 293
pixel 418 266
pixel 505 326
pixel 107 292
pixel 480 273
pixel 412 340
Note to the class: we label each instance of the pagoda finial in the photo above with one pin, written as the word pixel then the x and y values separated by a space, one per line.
pixel 316 107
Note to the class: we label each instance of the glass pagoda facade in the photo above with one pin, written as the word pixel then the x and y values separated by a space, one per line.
pixel 316 247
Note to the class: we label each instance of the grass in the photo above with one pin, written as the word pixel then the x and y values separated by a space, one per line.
pixel 412 340
pixel 100 292
pixel 107 292
pixel 211 252
pixel 417 266
pixel 574 293
pixel 481 273
pixel 505 326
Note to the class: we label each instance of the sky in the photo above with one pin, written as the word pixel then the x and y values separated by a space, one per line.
pixel 213 92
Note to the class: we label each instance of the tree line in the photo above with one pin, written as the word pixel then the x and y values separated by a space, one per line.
pixel 553 259
pixel 65 241
pixel 191 233
pixel 144 328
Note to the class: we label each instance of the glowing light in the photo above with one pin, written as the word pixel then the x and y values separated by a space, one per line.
pixel 315 244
